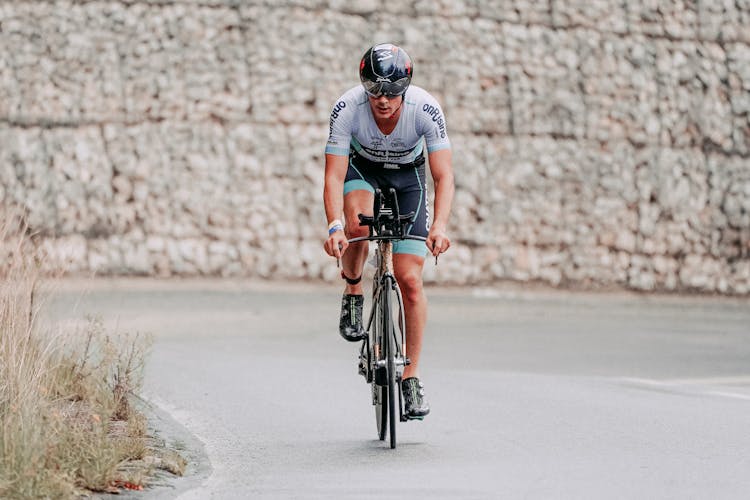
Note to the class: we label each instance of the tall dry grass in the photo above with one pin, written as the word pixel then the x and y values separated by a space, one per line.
pixel 66 423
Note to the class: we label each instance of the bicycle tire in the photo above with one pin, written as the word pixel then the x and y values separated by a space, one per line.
pixel 379 391
pixel 381 412
pixel 389 351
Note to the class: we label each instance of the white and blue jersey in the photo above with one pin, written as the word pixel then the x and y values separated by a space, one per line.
pixel 353 128
pixel 377 160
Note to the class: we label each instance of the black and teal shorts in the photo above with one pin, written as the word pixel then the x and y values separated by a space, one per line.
pixel 411 191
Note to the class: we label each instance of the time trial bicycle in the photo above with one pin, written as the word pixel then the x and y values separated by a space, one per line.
pixel 383 355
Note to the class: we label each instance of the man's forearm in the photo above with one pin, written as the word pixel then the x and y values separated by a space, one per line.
pixel 444 189
pixel 333 199
pixel 333 191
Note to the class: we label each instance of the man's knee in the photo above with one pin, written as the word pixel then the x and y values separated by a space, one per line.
pixel 410 282
pixel 354 230
pixel 354 204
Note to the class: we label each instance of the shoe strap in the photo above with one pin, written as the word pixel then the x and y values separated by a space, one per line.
pixel 415 388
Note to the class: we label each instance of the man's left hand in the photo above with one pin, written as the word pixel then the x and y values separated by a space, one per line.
pixel 437 241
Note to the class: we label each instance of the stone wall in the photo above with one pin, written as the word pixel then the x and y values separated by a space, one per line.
pixel 596 143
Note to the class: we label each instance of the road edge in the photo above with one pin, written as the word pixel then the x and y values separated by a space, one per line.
pixel 167 486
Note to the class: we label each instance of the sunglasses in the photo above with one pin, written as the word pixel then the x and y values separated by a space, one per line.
pixel 388 89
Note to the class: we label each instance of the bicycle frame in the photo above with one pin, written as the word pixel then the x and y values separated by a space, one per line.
pixel 385 346
pixel 384 280
pixel 383 353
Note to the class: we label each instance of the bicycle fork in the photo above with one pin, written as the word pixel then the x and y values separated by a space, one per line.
pixel 372 364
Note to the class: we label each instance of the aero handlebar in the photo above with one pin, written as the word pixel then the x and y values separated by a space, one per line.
pixel 387 223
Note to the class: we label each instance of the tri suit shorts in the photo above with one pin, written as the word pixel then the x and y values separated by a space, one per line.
pixel 411 191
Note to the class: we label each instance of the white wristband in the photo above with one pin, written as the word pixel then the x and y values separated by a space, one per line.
pixel 335 226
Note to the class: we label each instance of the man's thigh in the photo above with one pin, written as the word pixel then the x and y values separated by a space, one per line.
pixel 357 202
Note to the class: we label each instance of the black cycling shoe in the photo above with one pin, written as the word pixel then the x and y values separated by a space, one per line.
pixel 416 406
pixel 350 324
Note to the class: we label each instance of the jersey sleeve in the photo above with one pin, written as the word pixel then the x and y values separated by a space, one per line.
pixel 341 127
pixel 431 124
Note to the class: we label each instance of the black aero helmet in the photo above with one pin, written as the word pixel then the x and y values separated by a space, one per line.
pixel 385 69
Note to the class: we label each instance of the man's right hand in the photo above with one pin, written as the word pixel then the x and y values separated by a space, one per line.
pixel 336 244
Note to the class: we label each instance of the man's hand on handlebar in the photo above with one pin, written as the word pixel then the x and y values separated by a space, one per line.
pixel 336 244
pixel 437 241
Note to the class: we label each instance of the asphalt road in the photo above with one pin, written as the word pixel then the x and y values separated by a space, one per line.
pixel 534 393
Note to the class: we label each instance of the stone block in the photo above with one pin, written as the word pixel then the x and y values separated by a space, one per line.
pixel 620 90
pixel 723 21
pixel 663 18
pixel 598 14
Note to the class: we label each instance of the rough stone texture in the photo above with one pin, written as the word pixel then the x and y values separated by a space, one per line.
pixel 596 143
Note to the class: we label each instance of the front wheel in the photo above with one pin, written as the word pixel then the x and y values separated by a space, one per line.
pixel 379 388
pixel 381 409
pixel 389 352
pixel 392 392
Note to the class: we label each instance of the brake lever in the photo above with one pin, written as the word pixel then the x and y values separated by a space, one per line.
pixel 436 257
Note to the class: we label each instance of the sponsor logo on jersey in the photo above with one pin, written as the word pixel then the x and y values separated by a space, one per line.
pixel 383 155
pixel 437 117
pixel 337 109
pixel 335 115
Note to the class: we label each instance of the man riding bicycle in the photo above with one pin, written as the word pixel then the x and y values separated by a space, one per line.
pixel 376 141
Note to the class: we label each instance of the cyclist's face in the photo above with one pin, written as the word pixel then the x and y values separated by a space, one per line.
pixel 384 106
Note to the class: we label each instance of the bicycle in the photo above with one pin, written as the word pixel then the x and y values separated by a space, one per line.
pixel 382 355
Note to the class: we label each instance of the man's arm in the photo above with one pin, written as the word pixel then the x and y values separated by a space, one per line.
pixel 442 175
pixel 333 200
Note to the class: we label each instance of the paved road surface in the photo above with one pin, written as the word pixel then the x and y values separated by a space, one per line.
pixel 534 394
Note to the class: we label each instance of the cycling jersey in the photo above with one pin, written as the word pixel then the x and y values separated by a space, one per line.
pixel 377 160
pixel 353 129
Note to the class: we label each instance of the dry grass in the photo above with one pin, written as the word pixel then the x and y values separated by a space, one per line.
pixel 67 425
